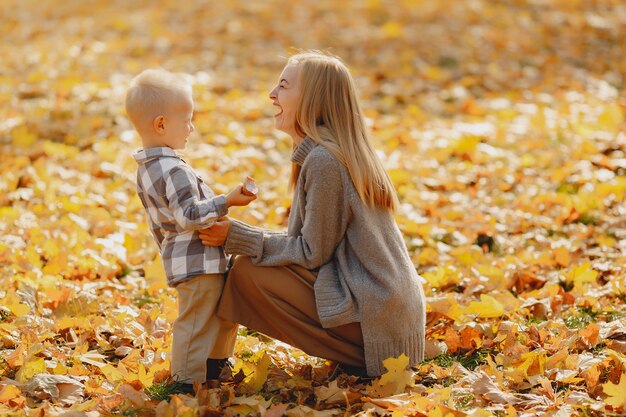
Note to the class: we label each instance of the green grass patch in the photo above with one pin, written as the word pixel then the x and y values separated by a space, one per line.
pixel 145 299
pixel 586 315
pixel 470 360
pixel 163 391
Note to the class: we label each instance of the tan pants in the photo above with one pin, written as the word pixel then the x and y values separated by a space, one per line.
pixel 280 302
pixel 198 333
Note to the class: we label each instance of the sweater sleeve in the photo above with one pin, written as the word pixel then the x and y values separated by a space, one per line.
pixel 325 221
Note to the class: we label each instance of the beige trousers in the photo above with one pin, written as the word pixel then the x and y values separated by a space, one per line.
pixel 280 302
pixel 198 333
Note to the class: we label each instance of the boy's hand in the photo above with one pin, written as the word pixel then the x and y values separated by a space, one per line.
pixel 237 198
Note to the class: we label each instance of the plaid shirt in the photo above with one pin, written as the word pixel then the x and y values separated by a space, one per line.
pixel 177 204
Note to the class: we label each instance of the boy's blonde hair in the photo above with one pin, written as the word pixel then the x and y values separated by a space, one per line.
pixel 329 113
pixel 153 93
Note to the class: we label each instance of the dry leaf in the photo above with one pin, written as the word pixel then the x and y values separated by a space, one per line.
pixel 483 385
pixel 60 388
pixel 616 393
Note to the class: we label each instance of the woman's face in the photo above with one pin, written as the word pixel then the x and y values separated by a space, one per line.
pixel 285 97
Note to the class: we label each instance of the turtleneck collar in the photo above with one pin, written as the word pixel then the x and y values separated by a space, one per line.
pixel 302 150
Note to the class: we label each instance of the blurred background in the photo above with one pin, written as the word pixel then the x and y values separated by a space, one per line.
pixel 492 116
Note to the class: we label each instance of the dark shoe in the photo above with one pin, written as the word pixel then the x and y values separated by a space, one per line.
pixel 219 369
pixel 182 388
pixel 354 371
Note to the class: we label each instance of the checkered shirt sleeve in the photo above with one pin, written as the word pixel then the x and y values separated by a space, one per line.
pixel 178 203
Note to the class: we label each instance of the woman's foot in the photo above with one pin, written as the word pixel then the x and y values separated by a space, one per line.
pixel 358 372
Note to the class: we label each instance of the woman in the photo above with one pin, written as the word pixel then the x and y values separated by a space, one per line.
pixel 339 284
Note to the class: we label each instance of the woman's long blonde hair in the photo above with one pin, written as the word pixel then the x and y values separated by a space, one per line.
pixel 329 113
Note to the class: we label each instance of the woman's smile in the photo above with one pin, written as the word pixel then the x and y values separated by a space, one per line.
pixel 279 108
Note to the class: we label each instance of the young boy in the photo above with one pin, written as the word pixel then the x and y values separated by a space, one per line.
pixel 177 204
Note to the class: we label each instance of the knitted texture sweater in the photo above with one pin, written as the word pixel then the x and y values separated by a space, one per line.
pixel 365 273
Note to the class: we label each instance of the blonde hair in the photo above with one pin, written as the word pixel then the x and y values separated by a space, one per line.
pixel 152 93
pixel 329 113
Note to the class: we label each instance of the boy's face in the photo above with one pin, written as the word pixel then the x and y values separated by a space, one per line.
pixel 177 124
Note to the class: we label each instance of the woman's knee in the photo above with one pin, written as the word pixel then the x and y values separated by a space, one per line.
pixel 242 273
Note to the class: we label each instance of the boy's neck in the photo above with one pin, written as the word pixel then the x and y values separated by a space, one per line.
pixel 148 143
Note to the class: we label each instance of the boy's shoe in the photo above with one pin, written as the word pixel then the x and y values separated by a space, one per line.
pixel 182 388
pixel 216 370
pixel 220 369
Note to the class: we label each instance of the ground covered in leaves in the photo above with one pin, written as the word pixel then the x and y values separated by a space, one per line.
pixel 502 124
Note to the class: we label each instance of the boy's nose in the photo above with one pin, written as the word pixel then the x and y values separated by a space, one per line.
pixel 192 127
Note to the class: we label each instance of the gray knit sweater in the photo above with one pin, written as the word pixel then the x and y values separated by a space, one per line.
pixel 365 273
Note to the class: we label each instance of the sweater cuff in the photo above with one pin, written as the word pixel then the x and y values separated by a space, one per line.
pixel 244 239
pixel 220 204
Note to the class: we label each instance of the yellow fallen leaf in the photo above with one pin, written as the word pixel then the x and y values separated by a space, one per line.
pixel 392 29
pixel 616 393
pixel 442 277
pixel 581 276
pixel 9 213
pixel 439 412
pixel 60 369
pixel 13 303
pixel 606 241
pixel 30 369
pixel 8 393
pixel 397 376
pixel 400 176
pixel 455 312
pixel 466 144
pixel 487 307
pixel 23 137
pixel 145 376
pixel 154 270
pixel 11 396
pixel 260 370
pixel 612 116
pixel 562 256
pixel 428 256
pixel 534 362
pixel 255 368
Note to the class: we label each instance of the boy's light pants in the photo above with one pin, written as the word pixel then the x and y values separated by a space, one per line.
pixel 198 333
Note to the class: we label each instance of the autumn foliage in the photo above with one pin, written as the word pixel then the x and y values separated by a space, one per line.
pixel 501 123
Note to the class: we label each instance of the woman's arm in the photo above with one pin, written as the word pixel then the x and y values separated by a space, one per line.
pixel 216 234
pixel 325 220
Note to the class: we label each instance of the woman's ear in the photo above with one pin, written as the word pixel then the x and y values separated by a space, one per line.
pixel 159 125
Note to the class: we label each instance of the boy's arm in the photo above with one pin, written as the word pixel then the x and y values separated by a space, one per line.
pixel 190 211
pixel 158 236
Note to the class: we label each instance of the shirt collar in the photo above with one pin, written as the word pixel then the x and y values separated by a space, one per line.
pixel 302 150
pixel 144 155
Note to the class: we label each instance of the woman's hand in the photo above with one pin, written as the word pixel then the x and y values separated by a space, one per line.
pixel 216 234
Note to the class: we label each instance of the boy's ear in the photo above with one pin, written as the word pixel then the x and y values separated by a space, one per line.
pixel 159 124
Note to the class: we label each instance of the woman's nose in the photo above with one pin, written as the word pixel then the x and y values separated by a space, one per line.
pixel 273 94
